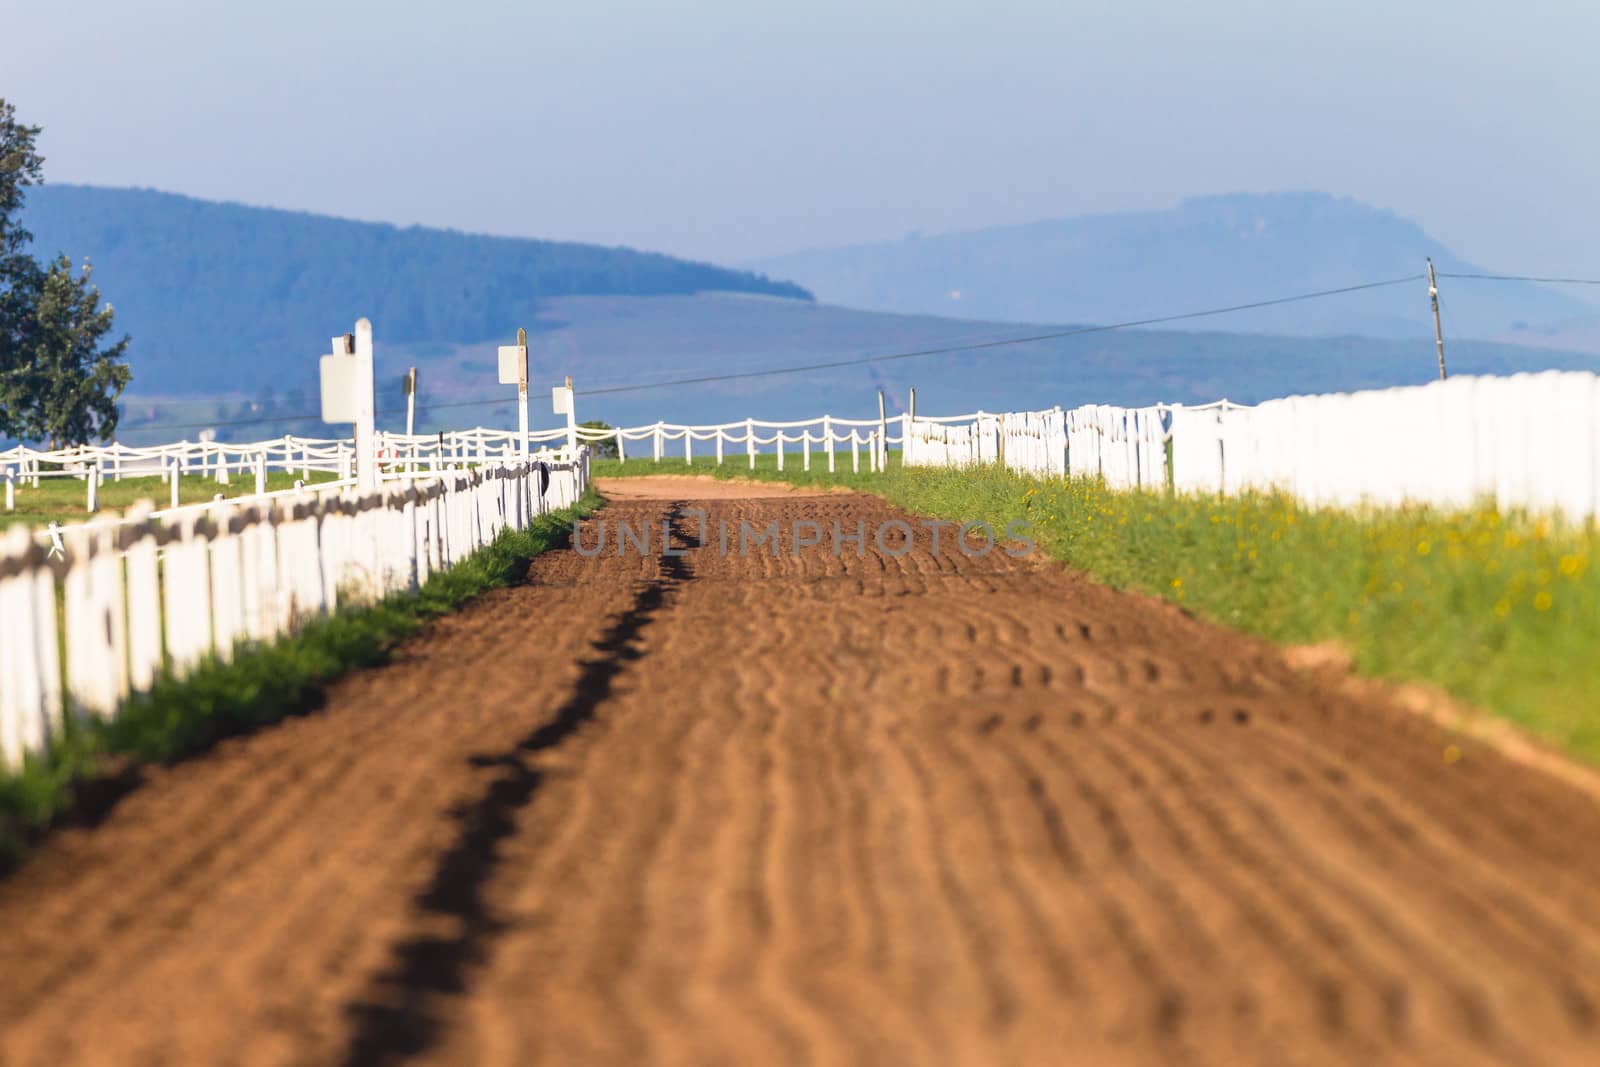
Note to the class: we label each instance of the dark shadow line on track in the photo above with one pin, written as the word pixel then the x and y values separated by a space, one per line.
pixel 399 1017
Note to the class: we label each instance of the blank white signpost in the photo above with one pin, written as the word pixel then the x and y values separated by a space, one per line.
pixel 561 401
pixel 347 396
pixel 514 371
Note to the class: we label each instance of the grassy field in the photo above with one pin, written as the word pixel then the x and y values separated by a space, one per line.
pixel 260 684
pixel 1500 610
pixel 64 500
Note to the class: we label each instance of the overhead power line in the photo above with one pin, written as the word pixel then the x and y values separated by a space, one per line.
pixel 1522 278
pixel 977 346
pixel 856 361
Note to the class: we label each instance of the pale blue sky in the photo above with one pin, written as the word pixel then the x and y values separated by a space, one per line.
pixel 731 130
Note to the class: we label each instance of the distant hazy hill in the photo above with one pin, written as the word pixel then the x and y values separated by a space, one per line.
pixel 223 299
pixel 605 342
pixel 1207 252
pixel 220 296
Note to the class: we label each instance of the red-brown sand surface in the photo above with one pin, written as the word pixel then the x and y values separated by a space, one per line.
pixel 708 809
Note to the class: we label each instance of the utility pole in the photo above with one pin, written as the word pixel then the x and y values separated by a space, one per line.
pixel 1438 331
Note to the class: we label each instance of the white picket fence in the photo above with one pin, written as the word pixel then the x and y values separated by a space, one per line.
pixel 157 592
pixel 248 569
pixel 1026 441
pixel 1525 441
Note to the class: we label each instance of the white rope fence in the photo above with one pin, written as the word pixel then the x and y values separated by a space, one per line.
pixel 127 600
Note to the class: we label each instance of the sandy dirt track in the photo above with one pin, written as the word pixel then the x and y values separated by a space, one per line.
pixel 704 809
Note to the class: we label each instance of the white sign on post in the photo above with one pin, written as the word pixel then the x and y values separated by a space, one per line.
pixel 513 364
pixel 339 381
pixel 561 397
pixel 347 396
pixel 514 371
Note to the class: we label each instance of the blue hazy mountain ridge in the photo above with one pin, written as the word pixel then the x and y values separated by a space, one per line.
pixel 230 306
pixel 610 343
pixel 607 342
pixel 623 343
pixel 1206 252
pixel 217 295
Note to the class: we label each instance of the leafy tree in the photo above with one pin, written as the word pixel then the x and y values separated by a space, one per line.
pixel 606 447
pixel 20 166
pixel 56 381
pixel 66 386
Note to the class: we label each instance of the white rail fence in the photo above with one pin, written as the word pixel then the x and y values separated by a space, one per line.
pixel 1524 441
pixel 223 461
pixel 155 593
pixel 1529 440
pixel 159 590
pixel 1026 440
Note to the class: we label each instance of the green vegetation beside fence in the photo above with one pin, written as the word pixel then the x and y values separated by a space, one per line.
pixel 64 500
pixel 1501 610
pixel 259 685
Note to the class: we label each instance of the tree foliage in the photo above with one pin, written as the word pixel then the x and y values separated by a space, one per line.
pixel 57 382
pixel 606 447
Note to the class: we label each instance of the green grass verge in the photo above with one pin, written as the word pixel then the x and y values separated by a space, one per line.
pixel 63 500
pixel 259 685
pixel 1502 610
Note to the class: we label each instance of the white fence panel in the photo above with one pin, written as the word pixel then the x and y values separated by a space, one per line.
pixel 207 579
